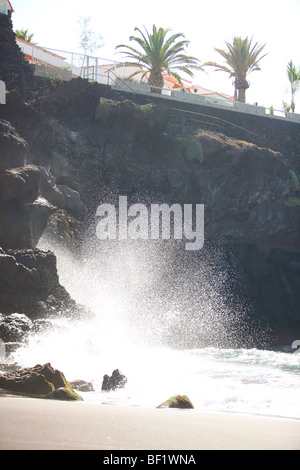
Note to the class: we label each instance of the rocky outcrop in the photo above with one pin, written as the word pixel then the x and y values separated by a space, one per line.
pixel 42 381
pixel 82 386
pixel 113 382
pixel 14 68
pixel 29 284
pixel 14 327
pixel 13 148
pixel 23 212
pixel 29 195
pixel 244 189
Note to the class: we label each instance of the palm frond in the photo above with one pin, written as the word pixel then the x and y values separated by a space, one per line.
pixel 161 53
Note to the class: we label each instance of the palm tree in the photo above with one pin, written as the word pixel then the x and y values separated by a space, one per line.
pixel 241 58
pixel 159 54
pixel 294 79
pixel 23 34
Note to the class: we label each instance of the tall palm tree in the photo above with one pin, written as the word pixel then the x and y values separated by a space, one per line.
pixel 241 58
pixel 159 54
pixel 294 79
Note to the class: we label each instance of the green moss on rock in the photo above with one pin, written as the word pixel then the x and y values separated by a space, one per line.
pixel 64 394
pixel 177 401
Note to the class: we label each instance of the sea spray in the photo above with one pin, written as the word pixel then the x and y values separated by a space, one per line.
pixel 170 323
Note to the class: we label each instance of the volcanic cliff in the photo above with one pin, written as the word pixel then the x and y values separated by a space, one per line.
pixel 64 148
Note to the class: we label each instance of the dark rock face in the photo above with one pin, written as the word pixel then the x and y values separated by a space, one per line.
pixel 23 213
pixel 89 148
pixel 244 188
pixel 271 278
pixel 29 284
pixel 20 184
pixel 14 327
pixel 21 225
pixel 14 68
pixel 12 147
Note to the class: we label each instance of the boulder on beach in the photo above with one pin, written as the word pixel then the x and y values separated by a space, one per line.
pixel 37 381
pixel 177 401
pixel 64 394
pixel 113 382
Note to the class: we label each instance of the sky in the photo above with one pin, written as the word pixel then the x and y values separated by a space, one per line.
pixel 206 25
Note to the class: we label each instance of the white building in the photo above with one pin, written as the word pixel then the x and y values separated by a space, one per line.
pixel 37 55
pixel 6 7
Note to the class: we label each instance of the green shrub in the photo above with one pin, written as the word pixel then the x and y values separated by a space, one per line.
pixel 193 150
pixel 295 184
pixel 145 108
pixel 293 202
pixel 104 109
pixel 53 80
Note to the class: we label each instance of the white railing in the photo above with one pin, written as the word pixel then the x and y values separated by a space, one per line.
pixel 80 65
pixel 115 73
pixel 186 97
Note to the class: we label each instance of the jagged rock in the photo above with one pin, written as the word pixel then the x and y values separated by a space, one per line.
pixel 20 184
pixel 14 327
pixel 64 229
pixel 82 386
pixel 12 147
pixel 38 380
pixel 60 195
pixel 113 382
pixel 21 225
pixel 177 401
pixel 23 215
pixel 42 380
pixel 29 284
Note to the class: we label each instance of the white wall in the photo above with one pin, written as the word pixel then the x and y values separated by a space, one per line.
pixel 2 93
pixel 41 55
pixel 4 7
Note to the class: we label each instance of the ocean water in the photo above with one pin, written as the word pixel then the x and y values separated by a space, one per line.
pixel 171 325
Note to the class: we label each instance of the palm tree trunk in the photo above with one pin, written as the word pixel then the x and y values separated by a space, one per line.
pixel 156 80
pixel 241 84
pixel 242 95
pixel 293 105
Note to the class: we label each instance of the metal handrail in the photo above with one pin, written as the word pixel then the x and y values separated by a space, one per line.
pixel 122 81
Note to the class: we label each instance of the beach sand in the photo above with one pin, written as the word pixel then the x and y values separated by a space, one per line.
pixel 38 424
